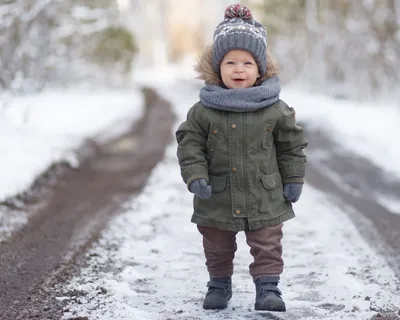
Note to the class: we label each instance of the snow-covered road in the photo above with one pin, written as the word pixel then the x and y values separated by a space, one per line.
pixel 149 262
pixel 42 129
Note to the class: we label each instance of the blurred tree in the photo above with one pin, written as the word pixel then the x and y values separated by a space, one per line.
pixel 58 41
pixel 341 47
pixel 24 40
pixel 113 48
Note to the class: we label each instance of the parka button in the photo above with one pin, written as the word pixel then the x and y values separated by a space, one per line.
pixel 234 169
pixel 233 126
pixel 215 131
pixel 237 211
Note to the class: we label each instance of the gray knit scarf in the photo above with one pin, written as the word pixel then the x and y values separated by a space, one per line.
pixel 241 100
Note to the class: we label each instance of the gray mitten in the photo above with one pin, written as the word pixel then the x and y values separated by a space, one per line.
pixel 200 188
pixel 292 191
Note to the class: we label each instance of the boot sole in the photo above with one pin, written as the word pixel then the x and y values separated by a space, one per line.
pixel 275 308
pixel 214 308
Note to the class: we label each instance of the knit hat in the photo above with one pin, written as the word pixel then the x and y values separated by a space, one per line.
pixel 239 30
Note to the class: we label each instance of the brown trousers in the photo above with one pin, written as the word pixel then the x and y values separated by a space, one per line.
pixel 265 247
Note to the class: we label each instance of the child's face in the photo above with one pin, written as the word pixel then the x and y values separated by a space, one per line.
pixel 239 69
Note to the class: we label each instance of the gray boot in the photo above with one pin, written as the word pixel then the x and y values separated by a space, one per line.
pixel 219 293
pixel 268 296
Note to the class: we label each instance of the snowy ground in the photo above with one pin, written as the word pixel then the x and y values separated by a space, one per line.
pixel 41 129
pixel 149 263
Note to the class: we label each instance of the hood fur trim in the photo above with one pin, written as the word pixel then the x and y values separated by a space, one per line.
pixel 206 72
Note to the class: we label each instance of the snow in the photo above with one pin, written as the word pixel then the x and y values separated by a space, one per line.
pixel 149 262
pixel 370 130
pixel 41 129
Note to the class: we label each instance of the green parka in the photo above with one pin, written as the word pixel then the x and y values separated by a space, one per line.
pixel 245 157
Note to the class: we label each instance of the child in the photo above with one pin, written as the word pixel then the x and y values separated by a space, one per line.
pixel 240 153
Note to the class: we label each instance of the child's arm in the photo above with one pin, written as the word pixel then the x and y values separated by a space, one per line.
pixel 290 141
pixel 192 138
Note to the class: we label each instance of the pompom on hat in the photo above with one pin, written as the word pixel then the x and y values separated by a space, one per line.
pixel 239 30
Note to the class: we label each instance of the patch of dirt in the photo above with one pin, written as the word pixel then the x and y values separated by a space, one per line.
pixel 78 204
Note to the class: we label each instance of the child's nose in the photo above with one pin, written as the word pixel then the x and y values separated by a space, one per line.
pixel 239 68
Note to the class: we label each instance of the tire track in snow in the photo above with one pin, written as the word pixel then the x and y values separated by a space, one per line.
pixel 45 252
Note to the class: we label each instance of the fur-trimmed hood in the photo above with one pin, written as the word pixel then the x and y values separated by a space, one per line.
pixel 206 72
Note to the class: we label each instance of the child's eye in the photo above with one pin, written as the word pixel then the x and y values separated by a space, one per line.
pixel 230 62
pixel 248 63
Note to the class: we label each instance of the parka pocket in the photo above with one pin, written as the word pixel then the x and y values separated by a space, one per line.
pixel 271 181
pixel 272 194
pixel 273 184
pixel 218 184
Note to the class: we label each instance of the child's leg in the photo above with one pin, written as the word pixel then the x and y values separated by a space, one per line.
pixel 266 248
pixel 219 250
